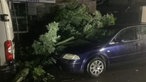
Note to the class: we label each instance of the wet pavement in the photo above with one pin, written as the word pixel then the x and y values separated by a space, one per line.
pixel 6 77
pixel 135 72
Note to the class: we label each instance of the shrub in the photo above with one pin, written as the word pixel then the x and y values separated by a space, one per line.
pixel 46 43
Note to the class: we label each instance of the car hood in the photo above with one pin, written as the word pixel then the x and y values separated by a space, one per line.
pixel 82 46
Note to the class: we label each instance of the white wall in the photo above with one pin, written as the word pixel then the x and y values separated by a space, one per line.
pixel 143 17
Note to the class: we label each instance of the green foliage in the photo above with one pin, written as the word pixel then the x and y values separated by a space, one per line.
pixel 38 72
pixel 30 67
pixel 72 18
pixel 98 21
pixel 35 74
pixel 46 42
pixel 21 75
pixel 108 20
pixel 33 70
pixel 75 20
pixel 39 75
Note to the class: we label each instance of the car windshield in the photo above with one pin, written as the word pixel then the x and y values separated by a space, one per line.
pixel 104 35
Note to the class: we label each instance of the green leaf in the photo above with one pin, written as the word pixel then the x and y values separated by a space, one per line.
pixel 38 72
pixel 47 41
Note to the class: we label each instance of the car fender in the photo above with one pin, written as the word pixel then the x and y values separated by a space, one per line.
pixel 91 56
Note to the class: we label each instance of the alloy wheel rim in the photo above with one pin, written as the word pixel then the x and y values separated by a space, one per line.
pixel 96 67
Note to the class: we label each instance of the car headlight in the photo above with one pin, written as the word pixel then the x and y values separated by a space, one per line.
pixel 71 57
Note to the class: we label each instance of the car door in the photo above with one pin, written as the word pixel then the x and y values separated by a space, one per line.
pixel 125 45
pixel 143 31
pixel 2 38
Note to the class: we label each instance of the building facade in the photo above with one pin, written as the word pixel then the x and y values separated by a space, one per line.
pixel 24 11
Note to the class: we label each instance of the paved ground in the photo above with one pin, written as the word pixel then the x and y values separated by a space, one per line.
pixel 6 77
pixel 135 72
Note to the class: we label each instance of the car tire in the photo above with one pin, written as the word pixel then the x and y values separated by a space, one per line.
pixel 96 66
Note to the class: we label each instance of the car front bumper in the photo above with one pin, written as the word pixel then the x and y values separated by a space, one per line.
pixel 71 66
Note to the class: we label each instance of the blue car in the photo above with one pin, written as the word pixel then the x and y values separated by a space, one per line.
pixel 111 46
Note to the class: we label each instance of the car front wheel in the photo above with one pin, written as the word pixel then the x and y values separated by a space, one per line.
pixel 95 67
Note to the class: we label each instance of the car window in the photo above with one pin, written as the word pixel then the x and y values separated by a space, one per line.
pixel 143 30
pixel 104 34
pixel 127 34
